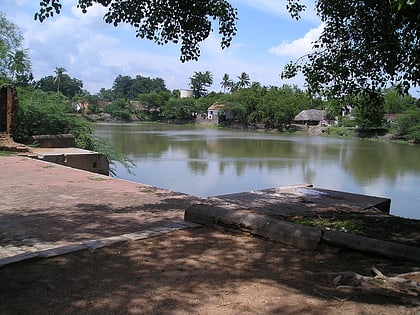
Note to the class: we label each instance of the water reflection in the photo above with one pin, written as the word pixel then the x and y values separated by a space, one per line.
pixel 207 162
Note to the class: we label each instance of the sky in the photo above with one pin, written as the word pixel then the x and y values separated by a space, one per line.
pixel 96 53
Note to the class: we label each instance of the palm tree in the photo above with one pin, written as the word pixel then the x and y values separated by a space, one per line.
pixel 226 83
pixel 19 63
pixel 244 80
pixel 59 72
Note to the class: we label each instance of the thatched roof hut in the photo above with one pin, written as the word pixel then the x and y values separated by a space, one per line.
pixel 310 116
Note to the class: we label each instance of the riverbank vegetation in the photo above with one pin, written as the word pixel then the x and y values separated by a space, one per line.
pixel 59 104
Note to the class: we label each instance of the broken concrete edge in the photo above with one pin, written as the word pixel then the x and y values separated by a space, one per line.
pixel 99 243
pixel 297 235
pixel 301 236
pixel 373 246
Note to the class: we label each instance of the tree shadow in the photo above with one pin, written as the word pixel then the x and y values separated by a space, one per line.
pixel 194 271
pixel 87 221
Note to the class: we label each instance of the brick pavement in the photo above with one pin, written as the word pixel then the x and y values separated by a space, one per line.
pixel 48 209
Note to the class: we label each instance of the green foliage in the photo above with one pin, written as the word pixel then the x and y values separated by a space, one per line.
pixel 337 224
pixel 130 88
pixel 273 107
pixel 340 131
pixel 70 87
pixel 369 112
pixel 408 126
pixel 244 80
pixel 396 103
pixel 15 65
pixel 163 21
pixel 120 109
pixel 348 122
pixel 43 113
pixel 226 83
pixel 199 83
pixel 155 100
pixel 113 155
pixel 364 46
pixel 6 153
pixel 180 109
pixel 203 103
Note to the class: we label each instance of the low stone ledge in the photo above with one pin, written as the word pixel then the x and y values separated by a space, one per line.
pixel 17 258
pixel 61 250
pixel 374 246
pixel 54 141
pixel 300 236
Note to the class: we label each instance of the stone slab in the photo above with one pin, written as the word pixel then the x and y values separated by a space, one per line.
pixel 299 199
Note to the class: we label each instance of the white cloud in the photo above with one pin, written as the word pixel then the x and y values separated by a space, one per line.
pixel 93 19
pixel 300 46
pixel 95 52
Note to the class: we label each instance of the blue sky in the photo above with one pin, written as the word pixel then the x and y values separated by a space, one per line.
pixel 95 52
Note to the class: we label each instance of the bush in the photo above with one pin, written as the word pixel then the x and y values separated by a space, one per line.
pixel 119 109
pixel 43 113
pixel 340 131
pixel 408 126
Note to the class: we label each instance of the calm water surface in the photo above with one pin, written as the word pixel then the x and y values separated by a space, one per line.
pixel 208 162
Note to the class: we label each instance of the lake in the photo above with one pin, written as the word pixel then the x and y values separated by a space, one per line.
pixel 208 162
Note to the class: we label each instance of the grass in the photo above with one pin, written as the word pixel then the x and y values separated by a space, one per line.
pixel 332 224
pixel 6 153
pixel 97 179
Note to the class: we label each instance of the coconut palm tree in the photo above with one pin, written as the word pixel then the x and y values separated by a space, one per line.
pixel 226 83
pixel 19 63
pixel 244 80
pixel 59 72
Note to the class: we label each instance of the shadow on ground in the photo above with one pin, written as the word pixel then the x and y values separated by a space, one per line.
pixel 195 271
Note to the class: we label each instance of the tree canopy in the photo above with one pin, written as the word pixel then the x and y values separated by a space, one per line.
pixel 187 22
pixel 60 82
pixel 15 64
pixel 199 83
pixel 365 46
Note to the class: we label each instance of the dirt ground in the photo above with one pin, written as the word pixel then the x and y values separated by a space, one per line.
pixel 201 271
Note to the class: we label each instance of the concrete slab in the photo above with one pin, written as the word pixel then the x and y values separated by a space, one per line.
pixel 298 199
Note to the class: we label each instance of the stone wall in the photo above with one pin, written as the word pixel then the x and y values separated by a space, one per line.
pixel 8 109
pixel 8 119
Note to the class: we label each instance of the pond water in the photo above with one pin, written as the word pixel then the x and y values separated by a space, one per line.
pixel 207 162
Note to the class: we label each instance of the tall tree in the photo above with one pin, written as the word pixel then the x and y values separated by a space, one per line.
pixel 59 73
pixel 199 83
pixel 19 63
pixel 14 61
pixel 123 87
pixel 67 86
pixel 226 83
pixel 187 22
pixel 244 80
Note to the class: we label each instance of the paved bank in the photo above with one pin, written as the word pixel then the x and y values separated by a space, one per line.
pixel 47 208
